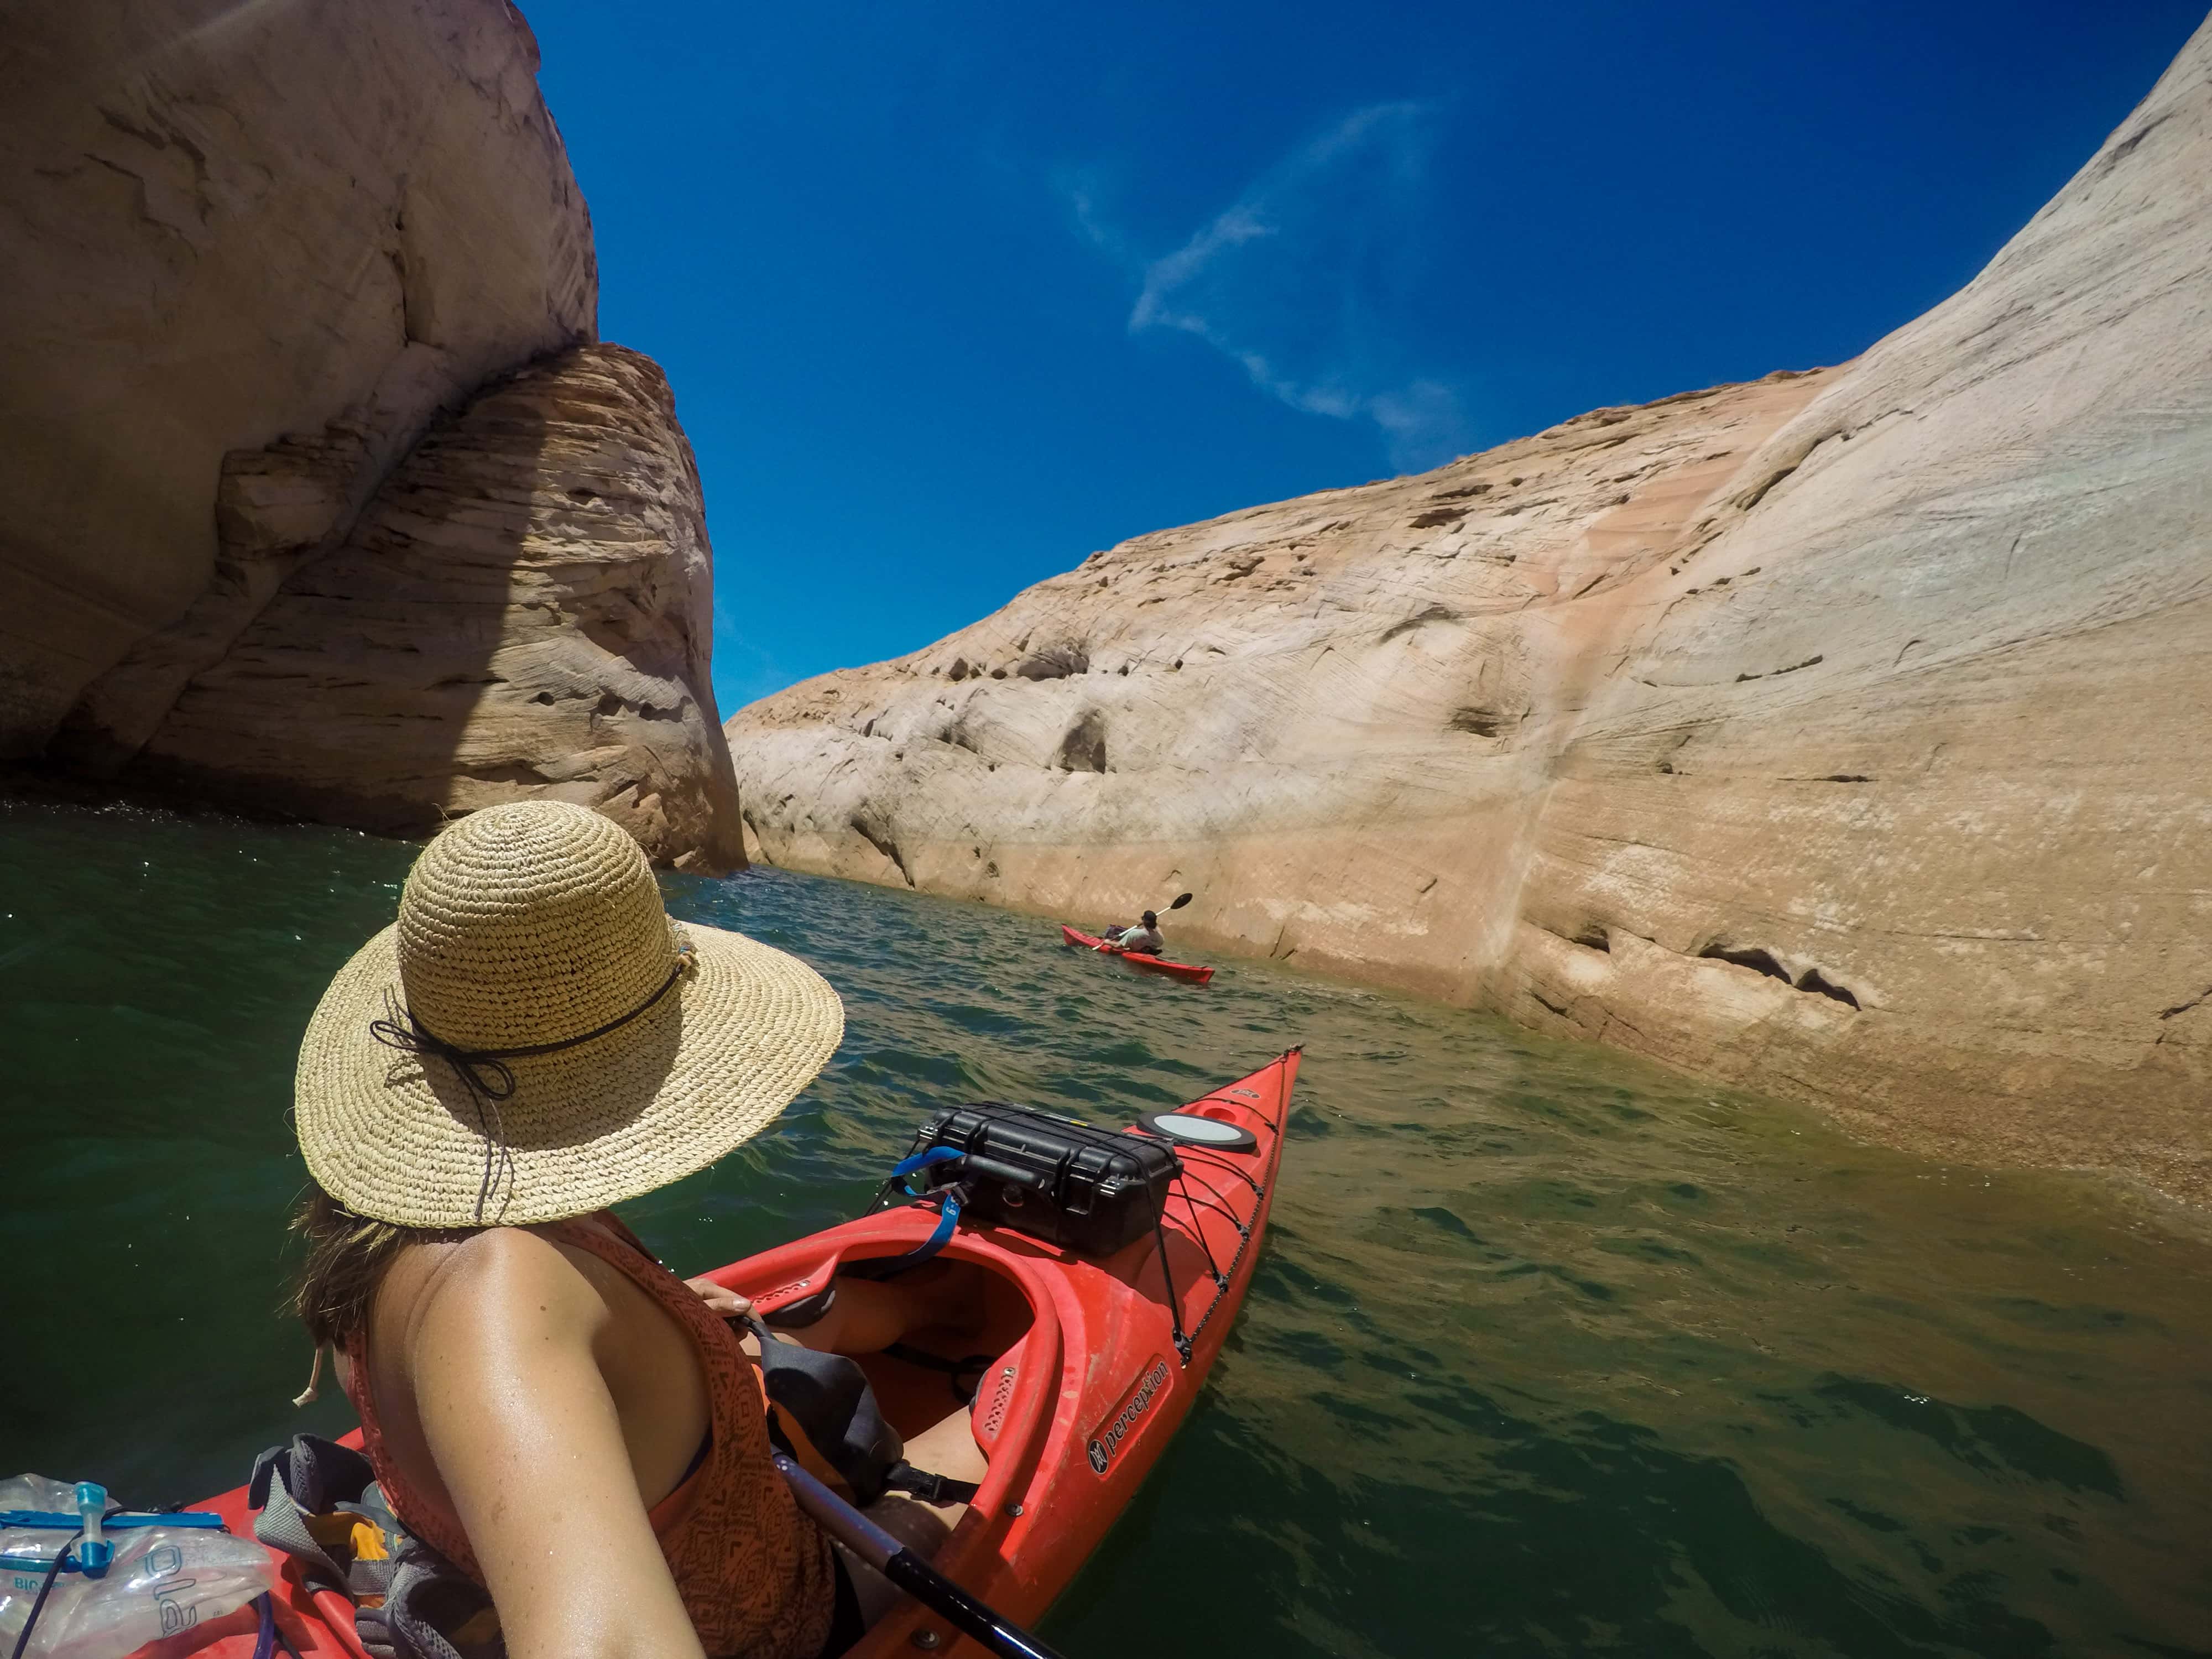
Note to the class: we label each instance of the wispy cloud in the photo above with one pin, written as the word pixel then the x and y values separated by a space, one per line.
pixel 1297 281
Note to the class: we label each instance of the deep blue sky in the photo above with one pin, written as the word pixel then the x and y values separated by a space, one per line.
pixel 952 294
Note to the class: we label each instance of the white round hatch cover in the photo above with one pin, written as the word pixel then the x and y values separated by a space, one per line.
pixel 1197 1131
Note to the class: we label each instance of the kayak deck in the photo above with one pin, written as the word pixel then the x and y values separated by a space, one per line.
pixel 1092 1365
pixel 1188 971
pixel 1076 1409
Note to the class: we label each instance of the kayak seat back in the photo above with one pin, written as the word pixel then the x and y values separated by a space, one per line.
pixel 857 1411
pixel 831 1399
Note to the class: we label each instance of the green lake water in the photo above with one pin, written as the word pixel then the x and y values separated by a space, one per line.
pixel 1550 1352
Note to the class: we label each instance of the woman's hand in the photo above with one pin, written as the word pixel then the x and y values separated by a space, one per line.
pixel 726 1303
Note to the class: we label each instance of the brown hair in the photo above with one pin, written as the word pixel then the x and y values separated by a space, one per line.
pixel 348 1256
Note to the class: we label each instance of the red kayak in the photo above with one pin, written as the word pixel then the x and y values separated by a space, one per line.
pixel 1184 970
pixel 1095 1363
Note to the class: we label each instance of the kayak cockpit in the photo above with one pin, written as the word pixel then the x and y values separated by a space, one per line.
pixel 963 1372
pixel 959 1368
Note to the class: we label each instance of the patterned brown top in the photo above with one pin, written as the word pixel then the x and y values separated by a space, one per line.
pixel 754 1573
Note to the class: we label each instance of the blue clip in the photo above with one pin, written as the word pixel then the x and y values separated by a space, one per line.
pixel 93 1553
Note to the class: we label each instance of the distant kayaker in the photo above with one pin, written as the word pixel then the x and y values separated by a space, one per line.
pixel 1143 938
pixel 544 1404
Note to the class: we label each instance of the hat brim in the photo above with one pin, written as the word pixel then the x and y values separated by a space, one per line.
pixel 399 1137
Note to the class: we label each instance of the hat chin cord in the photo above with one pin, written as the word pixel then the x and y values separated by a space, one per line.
pixel 484 1073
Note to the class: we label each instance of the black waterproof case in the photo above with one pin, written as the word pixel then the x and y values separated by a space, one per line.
pixel 1092 1190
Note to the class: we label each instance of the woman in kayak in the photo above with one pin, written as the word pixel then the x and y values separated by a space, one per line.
pixel 544 1403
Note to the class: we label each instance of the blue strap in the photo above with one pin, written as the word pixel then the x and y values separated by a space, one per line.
pixel 939 1238
pixel 907 1166
pixel 948 1210
pixel 948 1217
pixel 948 1213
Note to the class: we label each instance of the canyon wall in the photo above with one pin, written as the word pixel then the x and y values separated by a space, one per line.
pixel 1842 735
pixel 522 610
pixel 249 256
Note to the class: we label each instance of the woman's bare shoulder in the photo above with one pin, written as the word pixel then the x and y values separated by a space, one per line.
pixel 507 1282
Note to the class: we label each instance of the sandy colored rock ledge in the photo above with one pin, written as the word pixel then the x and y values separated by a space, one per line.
pixel 253 254
pixel 1843 735
pixel 523 609
pixel 223 226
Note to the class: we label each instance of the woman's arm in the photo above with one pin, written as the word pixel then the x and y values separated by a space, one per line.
pixel 527 1440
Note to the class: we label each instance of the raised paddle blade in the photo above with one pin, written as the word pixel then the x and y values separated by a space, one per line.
pixel 1180 903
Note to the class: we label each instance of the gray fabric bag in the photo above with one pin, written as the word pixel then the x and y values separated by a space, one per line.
pixel 414 1605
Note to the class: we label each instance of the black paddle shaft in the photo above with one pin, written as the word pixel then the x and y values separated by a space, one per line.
pixel 907 1570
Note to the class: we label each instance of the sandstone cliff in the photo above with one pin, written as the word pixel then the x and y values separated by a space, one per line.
pixel 221 225
pixel 522 610
pixel 1843 734
pixel 249 255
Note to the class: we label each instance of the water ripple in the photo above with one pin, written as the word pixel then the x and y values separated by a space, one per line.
pixel 1550 1352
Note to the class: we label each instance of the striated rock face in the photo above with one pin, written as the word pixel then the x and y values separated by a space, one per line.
pixel 249 254
pixel 221 224
pixel 522 609
pixel 1843 735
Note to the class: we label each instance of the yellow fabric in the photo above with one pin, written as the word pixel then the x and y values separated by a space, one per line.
pixel 349 1536
pixel 334 1530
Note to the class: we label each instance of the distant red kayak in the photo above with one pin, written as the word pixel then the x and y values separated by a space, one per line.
pixel 1184 970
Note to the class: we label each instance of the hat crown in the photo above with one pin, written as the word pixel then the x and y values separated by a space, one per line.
pixel 532 922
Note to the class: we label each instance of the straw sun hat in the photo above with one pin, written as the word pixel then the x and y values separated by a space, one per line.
pixel 533 1038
